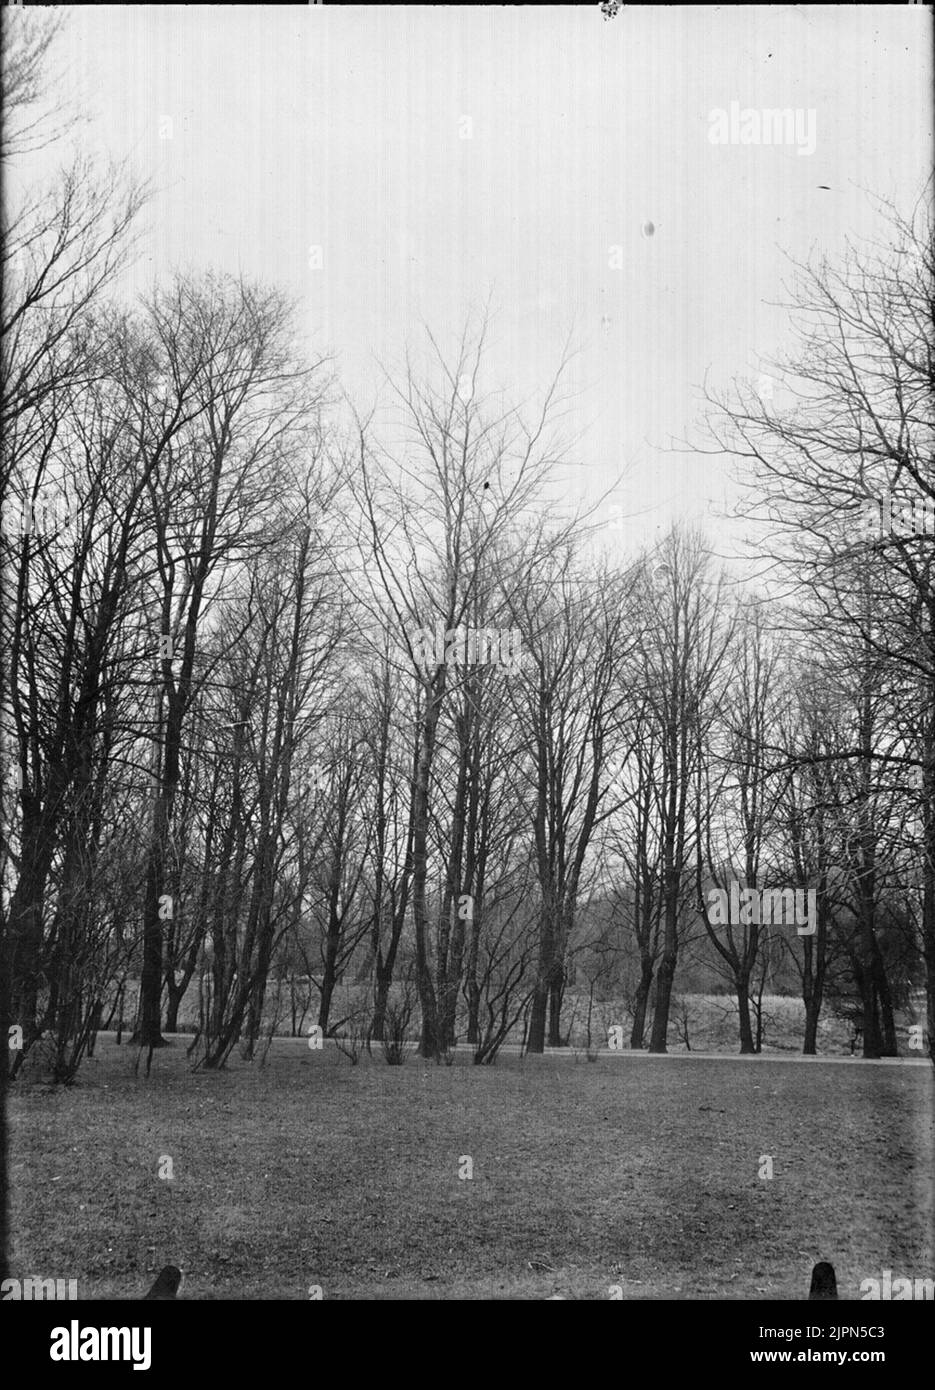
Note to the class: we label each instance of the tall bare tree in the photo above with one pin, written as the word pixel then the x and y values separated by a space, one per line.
pixel 432 529
pixel 682 650
pixel 850 451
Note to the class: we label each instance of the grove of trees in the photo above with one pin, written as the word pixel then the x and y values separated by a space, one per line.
pixel 228 775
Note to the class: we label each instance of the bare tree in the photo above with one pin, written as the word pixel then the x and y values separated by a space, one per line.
pixel 570 706
pixel 432 537
pixel 62 246
pixel 737 801
pixel 682 650
pixel 832 470
pixel 223 349
pixel 32 117
pixel 636 838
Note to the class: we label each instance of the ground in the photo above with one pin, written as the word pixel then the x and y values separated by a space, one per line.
pixel 634 1171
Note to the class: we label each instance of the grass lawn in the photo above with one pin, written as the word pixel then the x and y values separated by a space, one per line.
pixel 638 1172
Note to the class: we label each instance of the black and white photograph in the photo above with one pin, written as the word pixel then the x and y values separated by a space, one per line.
pixel 467 696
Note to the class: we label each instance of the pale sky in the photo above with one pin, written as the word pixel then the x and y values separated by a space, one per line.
pixel 344 128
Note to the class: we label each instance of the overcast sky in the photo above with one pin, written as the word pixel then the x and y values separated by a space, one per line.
pixel 436 155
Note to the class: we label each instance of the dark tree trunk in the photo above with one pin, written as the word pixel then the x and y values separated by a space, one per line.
pixel 812 992
pixel 175 993
pixel 742 985
pixel 872 1042
pixel 149 1033
pixel 667 964
pixel 535 1040
pixel 556 995
pixel 431 1042
pixel 928 854
pixel 889 1045
pixel 866 877
pixel 327 988
pixel 151 978
pixel 813 982
pixel 472 991
pixel 380 1001
pixel 384 967
pixel 664 978
pixel 24 931
pixel 637 1032
pixel 473 1014
pixel 538 1012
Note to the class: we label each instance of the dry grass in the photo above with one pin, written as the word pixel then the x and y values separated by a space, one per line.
pixel 641 1173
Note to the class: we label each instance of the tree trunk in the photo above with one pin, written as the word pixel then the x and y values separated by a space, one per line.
pixel 175 993
pixel 637 1032
pixel 384 968
pixel 473 1015
pixel 889 1045
pixel 24 931
pixel 151 978
pixel 668 962
pixel 535 1041
pixel 928 857
pixel 381 998
pixel 330 976
pixel 866 876
pixel 431 1042
pixel 664 978
pixel 556 995
pixel 742 985
pixel 472 991
pixel 149 1033
pixel 868 993
pixel 812 990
